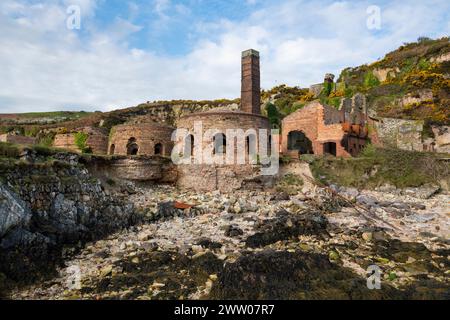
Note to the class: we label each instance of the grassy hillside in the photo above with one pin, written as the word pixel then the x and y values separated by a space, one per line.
pixel 413 71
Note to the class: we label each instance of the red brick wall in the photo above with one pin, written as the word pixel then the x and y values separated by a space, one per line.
pixel 311 121
pixel 147 135
pixel 251 83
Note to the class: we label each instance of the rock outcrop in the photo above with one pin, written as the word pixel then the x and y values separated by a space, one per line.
pixel 46 206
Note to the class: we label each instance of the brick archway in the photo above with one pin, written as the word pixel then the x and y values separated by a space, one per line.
pixel 158 149
pixel 132 147
pixel 298 141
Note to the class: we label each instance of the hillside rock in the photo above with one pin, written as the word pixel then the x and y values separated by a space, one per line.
pixel 54 205
pixel 13 211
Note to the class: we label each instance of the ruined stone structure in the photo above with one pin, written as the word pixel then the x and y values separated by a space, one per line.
pixel 202 176
pixel 148 138
pixel 17 139
pixel 97 140
pixel 320 129
pixel 409 135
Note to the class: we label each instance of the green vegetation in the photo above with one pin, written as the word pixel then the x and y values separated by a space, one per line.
pixel 81 142
pixel 286 99
pixel 376 167
pixel 410 69
pixel 290 183
pixel 67 115
pixel 9 150
pixel 370 80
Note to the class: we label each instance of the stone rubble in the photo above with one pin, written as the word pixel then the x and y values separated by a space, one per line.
pixel 188 256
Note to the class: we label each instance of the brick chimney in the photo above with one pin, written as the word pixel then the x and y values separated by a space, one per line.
pixel 251 83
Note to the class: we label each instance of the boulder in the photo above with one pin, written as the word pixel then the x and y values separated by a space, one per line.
pixel 14 212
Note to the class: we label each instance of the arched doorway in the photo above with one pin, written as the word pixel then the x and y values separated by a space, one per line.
pixel 297 140
pixel 329 148
pixel 189 146
pixel 220 144
pixel 132 147
pixel 158 149
pixel 250 145
pixel 112 149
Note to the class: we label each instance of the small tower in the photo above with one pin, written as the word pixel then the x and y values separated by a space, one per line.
pixel 251 83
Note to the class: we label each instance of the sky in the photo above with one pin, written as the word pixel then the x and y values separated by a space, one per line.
pixel 123 53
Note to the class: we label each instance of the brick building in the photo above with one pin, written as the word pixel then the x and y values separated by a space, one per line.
pixel 320 129
pixel 147 138
pixel 16 139
pixel 97 140
pixel 201 176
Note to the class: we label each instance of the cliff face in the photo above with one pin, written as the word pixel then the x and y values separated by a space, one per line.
pixel 46 206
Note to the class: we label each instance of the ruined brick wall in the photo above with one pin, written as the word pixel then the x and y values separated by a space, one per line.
pixel 17 139
pixel 97 140
pixel 146 135
pixel 221 177
pixel 251 83
pixel 66 141
pixel 142 168
pixel 312 121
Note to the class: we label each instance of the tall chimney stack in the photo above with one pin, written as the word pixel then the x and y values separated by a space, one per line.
pixel 251 83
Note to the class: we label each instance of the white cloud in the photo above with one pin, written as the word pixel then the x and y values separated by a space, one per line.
pixel 47 67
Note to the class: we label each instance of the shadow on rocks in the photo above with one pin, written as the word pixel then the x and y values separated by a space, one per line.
pixel 281 275
pixel 286 226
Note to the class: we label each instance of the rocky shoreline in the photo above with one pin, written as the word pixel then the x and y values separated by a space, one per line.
pixel 265 245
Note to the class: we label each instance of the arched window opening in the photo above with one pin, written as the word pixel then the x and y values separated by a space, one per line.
pixel 250 144
pixel 112 149
pixel 329 148
pixel 189 146
pixel 132 147
pixel 158 149
pixel 220 144
pixel 297 140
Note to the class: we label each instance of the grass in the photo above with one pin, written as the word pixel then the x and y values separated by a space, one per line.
pixel 376 167
pixel 55 114
pixel 290 183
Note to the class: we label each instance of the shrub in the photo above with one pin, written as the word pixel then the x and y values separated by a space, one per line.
pixel 370 80
pixel 9 150
pixel 81 141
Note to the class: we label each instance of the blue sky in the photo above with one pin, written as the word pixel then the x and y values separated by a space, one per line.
pixel 128 52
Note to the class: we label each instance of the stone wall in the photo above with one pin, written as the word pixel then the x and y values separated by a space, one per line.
pixel 97 140
pixel 146 136
pixel 218 177
pixel 399 133
pixel 45 206
pixel 142 168
pixel 225 178
pixel 17 139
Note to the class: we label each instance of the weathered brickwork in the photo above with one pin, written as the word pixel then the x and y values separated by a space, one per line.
pixel 140 168
pixel 319 129
pixel 141 139
pixel 17 139
pixel 97 140
pixel 251 82
pixel 222 177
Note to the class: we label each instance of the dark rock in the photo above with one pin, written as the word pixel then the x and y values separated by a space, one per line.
pixel 280 196
pixel 208 244
pixel 286 226
pixel 233 231
pixel 298 275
